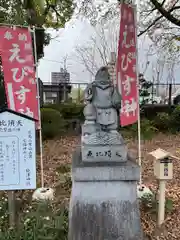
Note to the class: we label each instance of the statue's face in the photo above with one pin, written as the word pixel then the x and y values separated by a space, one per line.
pixel 102 76
pixel 102 81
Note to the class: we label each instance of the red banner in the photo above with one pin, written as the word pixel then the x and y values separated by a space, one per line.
pixel 19 70
pixel 126 66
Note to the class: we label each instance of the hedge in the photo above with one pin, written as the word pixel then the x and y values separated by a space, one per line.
pixel 53 124
pixel 150 111
pixel 75 111
pixel 56 120
pixel 68 110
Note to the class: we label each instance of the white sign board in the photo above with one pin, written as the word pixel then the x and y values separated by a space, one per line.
pixel 17 152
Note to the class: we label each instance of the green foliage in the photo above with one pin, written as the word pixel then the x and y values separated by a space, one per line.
pixel 50 13
pixel 149 203
pixel 144 88
pixel 40 221
pixel 162 122
pixel 150 112
pixel 67 182
pixel 3 213
pixel 168 122
pixel 65 177
pixel 175 119
pixel 39 13
pixel 159 122
pixel 69 110
pixel 147 129
pixel 63 168
pixel 53 124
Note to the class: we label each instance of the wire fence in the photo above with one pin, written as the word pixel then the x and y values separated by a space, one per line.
pixel 73 92
pixel 164 93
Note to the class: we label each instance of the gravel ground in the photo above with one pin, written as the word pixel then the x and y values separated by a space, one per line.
pixel 60 152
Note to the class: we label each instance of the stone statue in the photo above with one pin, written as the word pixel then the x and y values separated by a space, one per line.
pixel 103 203
pixel 103 104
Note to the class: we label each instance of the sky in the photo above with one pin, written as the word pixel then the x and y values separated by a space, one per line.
pixel 78 32
pixel 62 47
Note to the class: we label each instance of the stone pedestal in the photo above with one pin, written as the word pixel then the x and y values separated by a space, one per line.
pixel 103 147
pixel 104 203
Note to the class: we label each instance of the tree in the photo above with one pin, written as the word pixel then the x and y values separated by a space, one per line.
pixel 154 23
pixel 38 13
pixel 159 19
pixel 144 88
pixel 97 51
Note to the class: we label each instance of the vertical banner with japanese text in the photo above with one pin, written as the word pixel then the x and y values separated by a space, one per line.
pixel 19 71
pixel 126 66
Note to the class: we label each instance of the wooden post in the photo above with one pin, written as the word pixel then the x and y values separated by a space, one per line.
pixel 79 93
pixel 161 207
pixel 11 208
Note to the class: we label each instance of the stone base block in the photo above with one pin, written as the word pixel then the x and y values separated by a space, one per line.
pixel 104 211
pixel 104 204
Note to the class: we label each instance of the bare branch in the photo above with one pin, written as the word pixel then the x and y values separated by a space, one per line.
pixel 157 19
pixel 151 25
pixel 165 13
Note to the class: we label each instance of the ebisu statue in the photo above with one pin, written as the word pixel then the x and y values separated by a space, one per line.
pixel 101 140
pixel 103 202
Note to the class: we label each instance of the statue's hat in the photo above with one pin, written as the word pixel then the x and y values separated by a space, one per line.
pixel 102 74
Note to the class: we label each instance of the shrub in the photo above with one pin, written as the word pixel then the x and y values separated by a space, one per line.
pixel 72 111
pixel 53 123
pixel 149 203
pixel 162 122
pixel 175 119
pixel 39 221
pixel 147 129
pixel 69 110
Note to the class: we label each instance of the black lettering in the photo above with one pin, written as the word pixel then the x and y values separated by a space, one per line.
pixel 11 123
pixel 89 154
pixel 118 154
pixel 109 154
pixel 19 123
pixel 3 123
pixel 101 154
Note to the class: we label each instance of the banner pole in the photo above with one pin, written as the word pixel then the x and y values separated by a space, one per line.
pixel 38 96
pixel 139 118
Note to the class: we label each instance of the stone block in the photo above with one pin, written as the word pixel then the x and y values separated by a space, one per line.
pixel 104 210
pixel 104 204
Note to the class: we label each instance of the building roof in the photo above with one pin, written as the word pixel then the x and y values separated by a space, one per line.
pixel 16 113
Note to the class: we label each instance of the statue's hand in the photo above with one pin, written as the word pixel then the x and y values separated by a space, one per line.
pixel 116 105
pixel 88 93
pixel 116 99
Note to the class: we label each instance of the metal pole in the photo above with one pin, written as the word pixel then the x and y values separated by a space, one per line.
pixel 64 92
pixel 170 94
pixel 157 88
pixel 139 119
pixel 38 97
